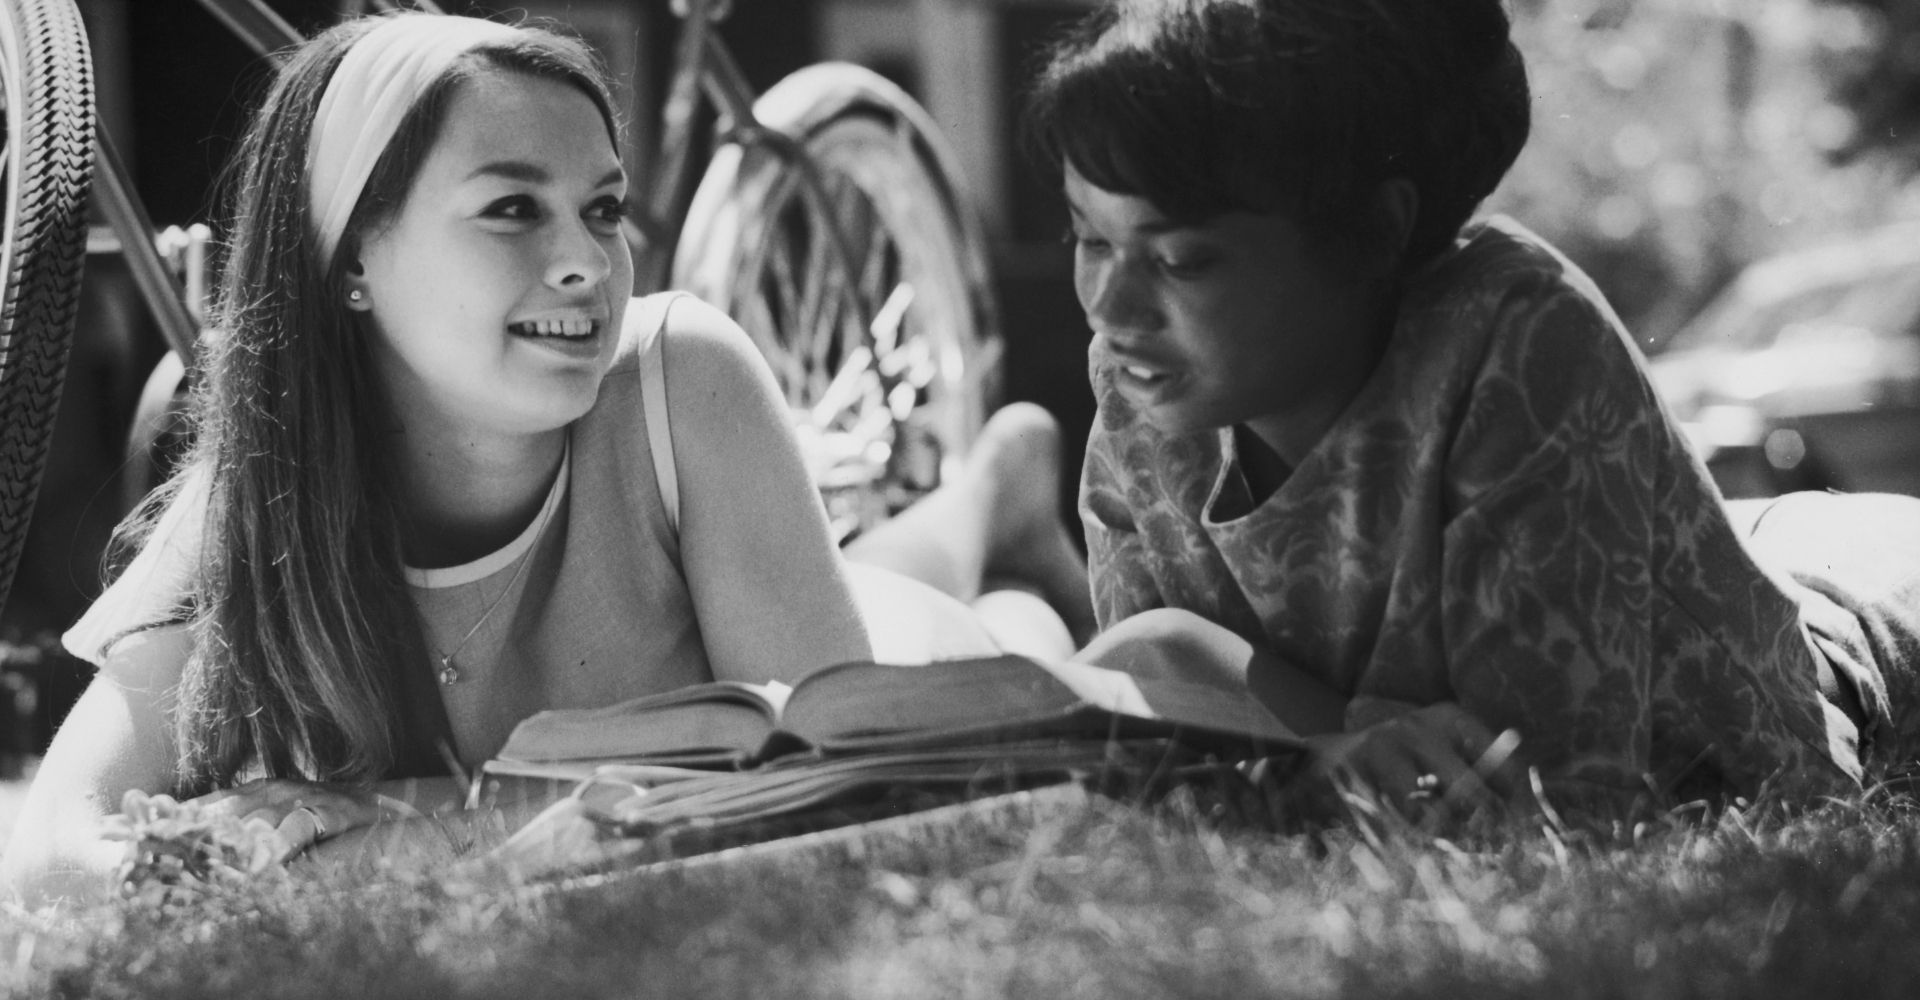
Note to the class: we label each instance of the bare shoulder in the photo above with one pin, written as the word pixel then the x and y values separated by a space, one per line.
pixel 702 339
pixel 718 382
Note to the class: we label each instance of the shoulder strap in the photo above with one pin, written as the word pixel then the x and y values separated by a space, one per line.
pixel 653 398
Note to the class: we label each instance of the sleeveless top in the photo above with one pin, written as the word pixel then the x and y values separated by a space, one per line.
pixel 601 604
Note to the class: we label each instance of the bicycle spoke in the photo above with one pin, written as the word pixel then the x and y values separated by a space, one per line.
pixel 879 276
pixel 838 332
pixel 770 286
pixel 798 245
pixel 775 305
pixel 858 293
pixel 815 301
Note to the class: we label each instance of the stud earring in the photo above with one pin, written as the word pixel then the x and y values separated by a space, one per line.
pixel 354 296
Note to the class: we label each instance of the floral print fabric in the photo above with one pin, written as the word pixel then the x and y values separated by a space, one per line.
pixel 1503 517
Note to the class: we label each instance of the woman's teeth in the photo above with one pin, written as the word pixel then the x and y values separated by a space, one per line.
pixel 1143 374
pixel 555 328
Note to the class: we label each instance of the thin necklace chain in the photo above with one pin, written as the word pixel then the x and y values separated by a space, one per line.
pixel 450 673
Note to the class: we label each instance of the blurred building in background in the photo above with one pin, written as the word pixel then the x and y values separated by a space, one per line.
pixel 1676 141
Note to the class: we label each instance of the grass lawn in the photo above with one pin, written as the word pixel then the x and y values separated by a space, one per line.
pixel 1096 898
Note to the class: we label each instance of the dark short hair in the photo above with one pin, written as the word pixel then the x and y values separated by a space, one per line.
pixel 1302 107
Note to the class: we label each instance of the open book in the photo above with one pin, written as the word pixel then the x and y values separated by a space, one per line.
pixel 863 708
pixel 719 765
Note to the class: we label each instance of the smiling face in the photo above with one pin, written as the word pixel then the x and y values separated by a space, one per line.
pixel 496 291
pixel 1244 319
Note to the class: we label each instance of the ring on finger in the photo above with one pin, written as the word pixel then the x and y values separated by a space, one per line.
pixel 319 825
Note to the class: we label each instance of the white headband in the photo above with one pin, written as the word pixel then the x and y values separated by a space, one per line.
pixel 376 84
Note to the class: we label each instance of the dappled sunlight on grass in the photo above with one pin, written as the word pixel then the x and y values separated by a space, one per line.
pixel 1102 900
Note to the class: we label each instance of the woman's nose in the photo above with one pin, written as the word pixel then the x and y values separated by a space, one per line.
pixel 577 259
pixel 1111 295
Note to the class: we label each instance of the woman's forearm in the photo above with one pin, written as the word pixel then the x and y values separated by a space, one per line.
pixel 1181 645
pixel 443 828
pixel 80 871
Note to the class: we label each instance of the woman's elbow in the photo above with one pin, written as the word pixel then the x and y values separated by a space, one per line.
pixel 41 868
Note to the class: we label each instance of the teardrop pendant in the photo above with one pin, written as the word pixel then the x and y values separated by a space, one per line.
pixel 449 674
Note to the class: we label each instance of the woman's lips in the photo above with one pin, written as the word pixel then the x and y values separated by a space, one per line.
pixel 571 329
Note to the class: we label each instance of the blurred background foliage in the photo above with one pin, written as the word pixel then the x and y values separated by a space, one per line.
pixel 1675 141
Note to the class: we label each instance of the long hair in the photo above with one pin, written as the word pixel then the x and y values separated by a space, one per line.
pixel 304 631
pixel 1302 107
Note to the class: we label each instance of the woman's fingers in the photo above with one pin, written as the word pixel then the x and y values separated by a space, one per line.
pixel 270 815
pixel 1458 786
pixel 1393 772
pixel 1491 758
pixel 302 813
pixel 302 827
pixel 240 799
pixel 273 796
pixel 1494 755
pixel 1502 766
pixel 1436 761
pixel 1458 792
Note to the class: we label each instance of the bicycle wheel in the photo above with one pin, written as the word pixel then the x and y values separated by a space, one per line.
pixel 46 157
pixel 834 233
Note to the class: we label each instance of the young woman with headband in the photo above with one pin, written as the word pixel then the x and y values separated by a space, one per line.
pixel 445 474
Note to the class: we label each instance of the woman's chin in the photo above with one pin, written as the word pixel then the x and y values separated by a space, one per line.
pixel 1175 422
pixel 548 412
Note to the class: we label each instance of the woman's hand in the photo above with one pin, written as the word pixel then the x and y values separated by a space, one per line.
pixel 1437 758
pixel 304 813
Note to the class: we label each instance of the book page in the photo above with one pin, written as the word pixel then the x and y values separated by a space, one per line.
pixel 714 724
pixel 864 701
pixel 865 706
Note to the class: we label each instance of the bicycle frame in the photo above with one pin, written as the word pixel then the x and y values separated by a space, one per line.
pixel 265 32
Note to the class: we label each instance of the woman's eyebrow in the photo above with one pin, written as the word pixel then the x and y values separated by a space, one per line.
pixel 1158 225
pixel 534 173
pixel 513 170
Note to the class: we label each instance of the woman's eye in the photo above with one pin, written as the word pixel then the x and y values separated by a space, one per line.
pixel 517 206
pixel 610 211
pixel 1085 243
pixel 1185 266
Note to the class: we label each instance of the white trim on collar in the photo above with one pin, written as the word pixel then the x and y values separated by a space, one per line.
pixel 494 562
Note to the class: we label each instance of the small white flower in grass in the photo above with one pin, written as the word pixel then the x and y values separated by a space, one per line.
pixel 177 852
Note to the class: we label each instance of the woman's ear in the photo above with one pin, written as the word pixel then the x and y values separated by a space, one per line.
pixel 359 296
pixel 1390 219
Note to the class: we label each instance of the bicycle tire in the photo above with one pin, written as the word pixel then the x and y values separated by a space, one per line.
pixel 46 83
pixel 752 246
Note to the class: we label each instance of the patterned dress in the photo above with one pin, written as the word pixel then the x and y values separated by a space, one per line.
pixel 1503 517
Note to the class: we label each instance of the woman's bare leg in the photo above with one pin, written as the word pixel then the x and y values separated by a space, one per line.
pixel 994 525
